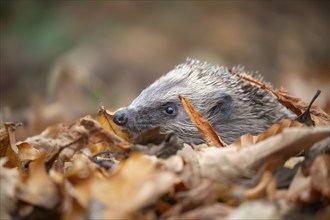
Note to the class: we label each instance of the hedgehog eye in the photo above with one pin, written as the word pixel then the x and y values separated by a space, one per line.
pixel 170 109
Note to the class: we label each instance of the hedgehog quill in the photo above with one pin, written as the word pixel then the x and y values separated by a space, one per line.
pixel 232 106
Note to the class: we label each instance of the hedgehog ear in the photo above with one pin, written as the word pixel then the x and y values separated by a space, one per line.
pixel 222 108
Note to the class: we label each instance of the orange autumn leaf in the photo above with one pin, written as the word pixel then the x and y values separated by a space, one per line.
pixel 105 118
pixel 136 183
pixel 209 135
pixel 99 134
pixel 8 145
pixel 39 188
pixel 267 185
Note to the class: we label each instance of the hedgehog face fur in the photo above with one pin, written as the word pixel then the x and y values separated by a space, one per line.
pixel 232 106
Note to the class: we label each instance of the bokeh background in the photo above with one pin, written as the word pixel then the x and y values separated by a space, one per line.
pixel 61 59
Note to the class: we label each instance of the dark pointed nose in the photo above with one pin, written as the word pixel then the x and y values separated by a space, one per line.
pixel 120 117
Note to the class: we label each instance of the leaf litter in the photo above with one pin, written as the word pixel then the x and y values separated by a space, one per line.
pixel 91 169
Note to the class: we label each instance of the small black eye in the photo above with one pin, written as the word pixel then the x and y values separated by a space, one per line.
pixel 170 109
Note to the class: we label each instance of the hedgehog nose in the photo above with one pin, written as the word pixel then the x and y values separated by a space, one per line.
pixel 120 117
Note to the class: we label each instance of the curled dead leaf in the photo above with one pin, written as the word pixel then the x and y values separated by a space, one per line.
pixel 320 174
pixel 137 183
pixel 105 118
pixel 295 104
pixel 204 127
pixel 8 198
pixel 227 164
pixel 248 139
pixel 267 185
pixel 9 148
pixel 38 188
pixel 99 134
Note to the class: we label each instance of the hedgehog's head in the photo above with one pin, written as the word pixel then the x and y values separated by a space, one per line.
pixel 159 104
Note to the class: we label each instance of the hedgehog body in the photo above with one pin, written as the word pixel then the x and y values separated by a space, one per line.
pixel 232 106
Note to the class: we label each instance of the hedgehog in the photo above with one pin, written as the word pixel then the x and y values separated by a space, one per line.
pixel 232 106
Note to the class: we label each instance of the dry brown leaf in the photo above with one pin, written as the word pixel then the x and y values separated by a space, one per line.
pixel 51 138
pixel 223 164
pixel 4 141
pixel 319 116
pixel 213 211
pixel 295 104
pixel 8 180
pixel 98 148
pixel 320 174
pixel 266 186
pixel 259 209
pixel 248 139
pixel 173 163
pixel 11 149
pixel 38 188
pixel 73 210
pixel 98 134
pixel 203 194
pixel 204 127
pixel 136 184
pixel 300 188
pixel 27 152
pixel 80 174
pixel 191 174
pixel 105 118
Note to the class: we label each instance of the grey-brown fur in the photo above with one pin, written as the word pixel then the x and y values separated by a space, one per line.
pixel 232 106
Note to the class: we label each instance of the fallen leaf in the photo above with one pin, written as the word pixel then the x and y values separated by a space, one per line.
pixel 204 127
pixel 81 174
pixel 319 117
pixel 248 139
pixel 266 186
pixel 136 184
pixel 98 134
pixel 213 211
pixel 39 189
pixel 4 141
pixel 8 181
pixel 199 202
pixel 300 188
pixel 320 174
pixel 256 209
pixel 105 118
pixel 11 148
pixel 295 104
pixel 27 152
pixel 203 194
pixel 151 142
pixel 230 163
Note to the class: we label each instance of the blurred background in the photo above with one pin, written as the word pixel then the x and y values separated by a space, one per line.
pixel 61 59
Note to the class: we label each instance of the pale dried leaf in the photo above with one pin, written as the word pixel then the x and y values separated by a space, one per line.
pixel 8 181
pixel 213 211
pixel 320 174
pixel 98 134
pixel 136 184
pixel 255 210
pixel 248 139
pixel 12 150
pixel 229 163
pixel 39 189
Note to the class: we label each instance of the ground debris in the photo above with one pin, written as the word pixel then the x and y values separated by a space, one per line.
pixel 90 169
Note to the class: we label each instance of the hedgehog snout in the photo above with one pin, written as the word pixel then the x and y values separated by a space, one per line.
pixel 121 117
